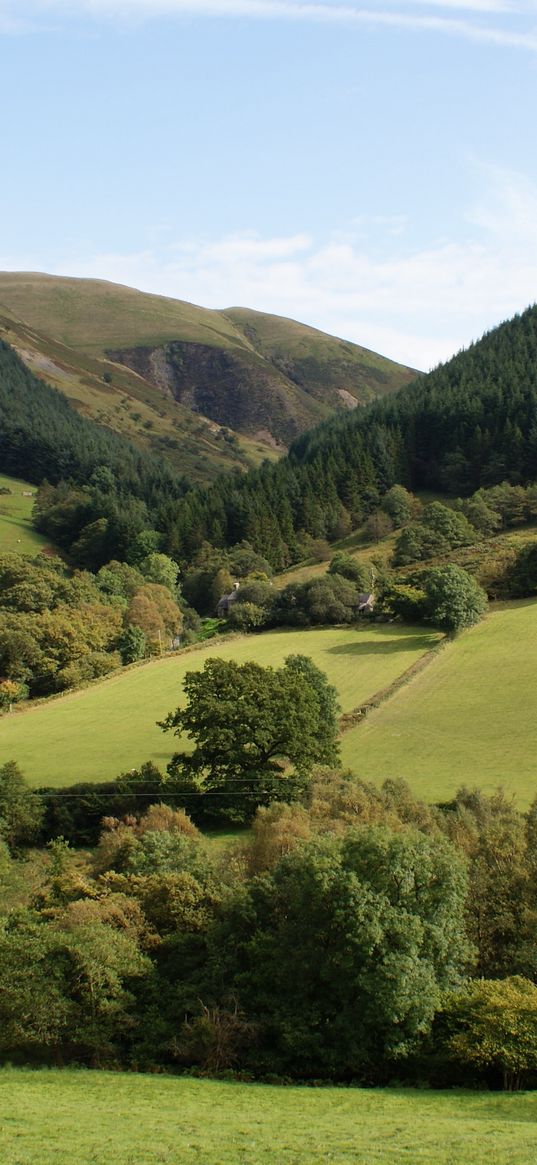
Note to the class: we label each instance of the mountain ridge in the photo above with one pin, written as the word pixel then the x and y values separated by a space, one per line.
pixel 265 378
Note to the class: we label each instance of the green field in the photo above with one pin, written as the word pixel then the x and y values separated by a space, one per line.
pixel 110 727
pixel 94 1118
pixel 469 718
pixel 16 531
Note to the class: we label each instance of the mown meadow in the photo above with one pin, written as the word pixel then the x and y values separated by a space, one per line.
pixel 61 1117
pixel 111 727
pixel 469 718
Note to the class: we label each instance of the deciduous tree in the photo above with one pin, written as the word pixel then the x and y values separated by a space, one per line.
pixel 252 725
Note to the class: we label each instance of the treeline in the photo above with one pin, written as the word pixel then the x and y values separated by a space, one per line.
pixel 355 935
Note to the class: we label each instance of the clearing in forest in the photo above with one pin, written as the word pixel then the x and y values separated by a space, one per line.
pixel 16 532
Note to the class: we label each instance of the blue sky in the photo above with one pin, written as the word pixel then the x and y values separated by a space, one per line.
pixel 370 168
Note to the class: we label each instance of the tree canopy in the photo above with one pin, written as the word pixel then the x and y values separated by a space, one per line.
pixel 255 727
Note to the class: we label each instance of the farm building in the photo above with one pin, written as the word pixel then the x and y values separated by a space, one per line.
pixel 226 602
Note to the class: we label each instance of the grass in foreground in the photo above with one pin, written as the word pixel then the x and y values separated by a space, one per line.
pixel 110 727
pixel 468 718
pixel 16 533
pixel 91 1118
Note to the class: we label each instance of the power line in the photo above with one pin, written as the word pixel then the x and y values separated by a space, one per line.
pixel 117 796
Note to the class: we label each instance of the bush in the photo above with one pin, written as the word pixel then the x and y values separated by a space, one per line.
pixel 522 578
pixel 493 1024
pixel 246 617
pixel 349 568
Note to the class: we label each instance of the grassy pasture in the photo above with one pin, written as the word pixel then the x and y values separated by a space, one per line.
pixel 93 314
pixel 16 531
pixel 110 727
pixel 61 1117
pixel 469 718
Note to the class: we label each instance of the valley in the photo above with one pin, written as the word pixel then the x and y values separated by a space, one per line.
pixel 251 908
pixel 268 583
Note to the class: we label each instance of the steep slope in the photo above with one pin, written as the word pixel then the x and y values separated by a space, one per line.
pixel 334 371
pixel 266 378
pixel 116 396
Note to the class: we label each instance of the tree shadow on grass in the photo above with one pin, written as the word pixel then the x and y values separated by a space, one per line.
pixel 370 646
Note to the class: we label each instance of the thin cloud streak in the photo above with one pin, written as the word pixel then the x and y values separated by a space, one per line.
pixel 483 6
pixel 469 27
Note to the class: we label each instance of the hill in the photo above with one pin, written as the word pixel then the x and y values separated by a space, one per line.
pixel 331 370
pixel 154 1119
pixel 264 377
pixel 118 398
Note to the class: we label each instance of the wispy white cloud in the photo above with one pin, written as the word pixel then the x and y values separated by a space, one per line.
pixel 419 305
pixel 468 19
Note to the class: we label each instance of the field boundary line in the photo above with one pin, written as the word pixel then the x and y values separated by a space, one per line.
pixel 356 716
pixel 26 707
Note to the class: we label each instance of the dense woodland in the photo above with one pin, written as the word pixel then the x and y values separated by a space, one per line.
pixel 355 934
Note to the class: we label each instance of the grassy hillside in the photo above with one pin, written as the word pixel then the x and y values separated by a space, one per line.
pixel 268 383
pixel 129 405
pixel 478 559
pixel 468 718
pixel 93 315
pixel 110 727
pixel 328 367
pixel 56 1118
pixel 16 531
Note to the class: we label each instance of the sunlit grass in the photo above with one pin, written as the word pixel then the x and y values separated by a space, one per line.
pixel 16 533
pixel 91 1118
pixel 469 718
pixel 110 727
